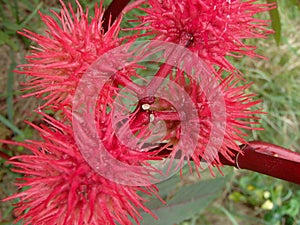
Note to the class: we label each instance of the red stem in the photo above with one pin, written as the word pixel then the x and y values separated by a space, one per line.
pixel 126 82
pixel 268 159
pixel 154 84
pixel 112 12
pixel 164 70
pixel 263 158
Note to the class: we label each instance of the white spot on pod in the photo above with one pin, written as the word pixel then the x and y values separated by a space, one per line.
pixel 145 106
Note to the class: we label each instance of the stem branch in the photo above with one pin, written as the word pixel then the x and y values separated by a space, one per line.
pixel 263 158
pixel 268 159
pixel 112 12
pixel 126 82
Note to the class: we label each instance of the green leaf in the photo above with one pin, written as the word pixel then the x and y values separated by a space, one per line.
pixel 10 125
pixel 229 215
pixel 31 15
pixel 6 39
pixel 292 208
pixel 276 24
pixel 186 202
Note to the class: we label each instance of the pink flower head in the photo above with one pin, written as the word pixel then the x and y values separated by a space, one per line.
pixel 213 29
pixel 61 188
pixel 71 42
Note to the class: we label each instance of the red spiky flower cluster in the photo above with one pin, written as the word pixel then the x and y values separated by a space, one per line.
pixel 70 44
pixel 213 29
pixel 63 188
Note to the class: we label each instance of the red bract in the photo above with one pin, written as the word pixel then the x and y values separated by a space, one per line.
pixel 71 42
pixel 61 188
pixel 211 28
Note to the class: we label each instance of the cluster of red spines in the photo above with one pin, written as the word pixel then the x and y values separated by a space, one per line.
pixel 70 44
pixel 213 29
pixel 64 189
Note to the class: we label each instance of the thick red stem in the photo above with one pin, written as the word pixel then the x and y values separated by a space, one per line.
pixel 271 160
pixel 126 82
pixel 164 70
pixel 156 83
pixel 263 158
pixel 112 12
pixel 268 159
